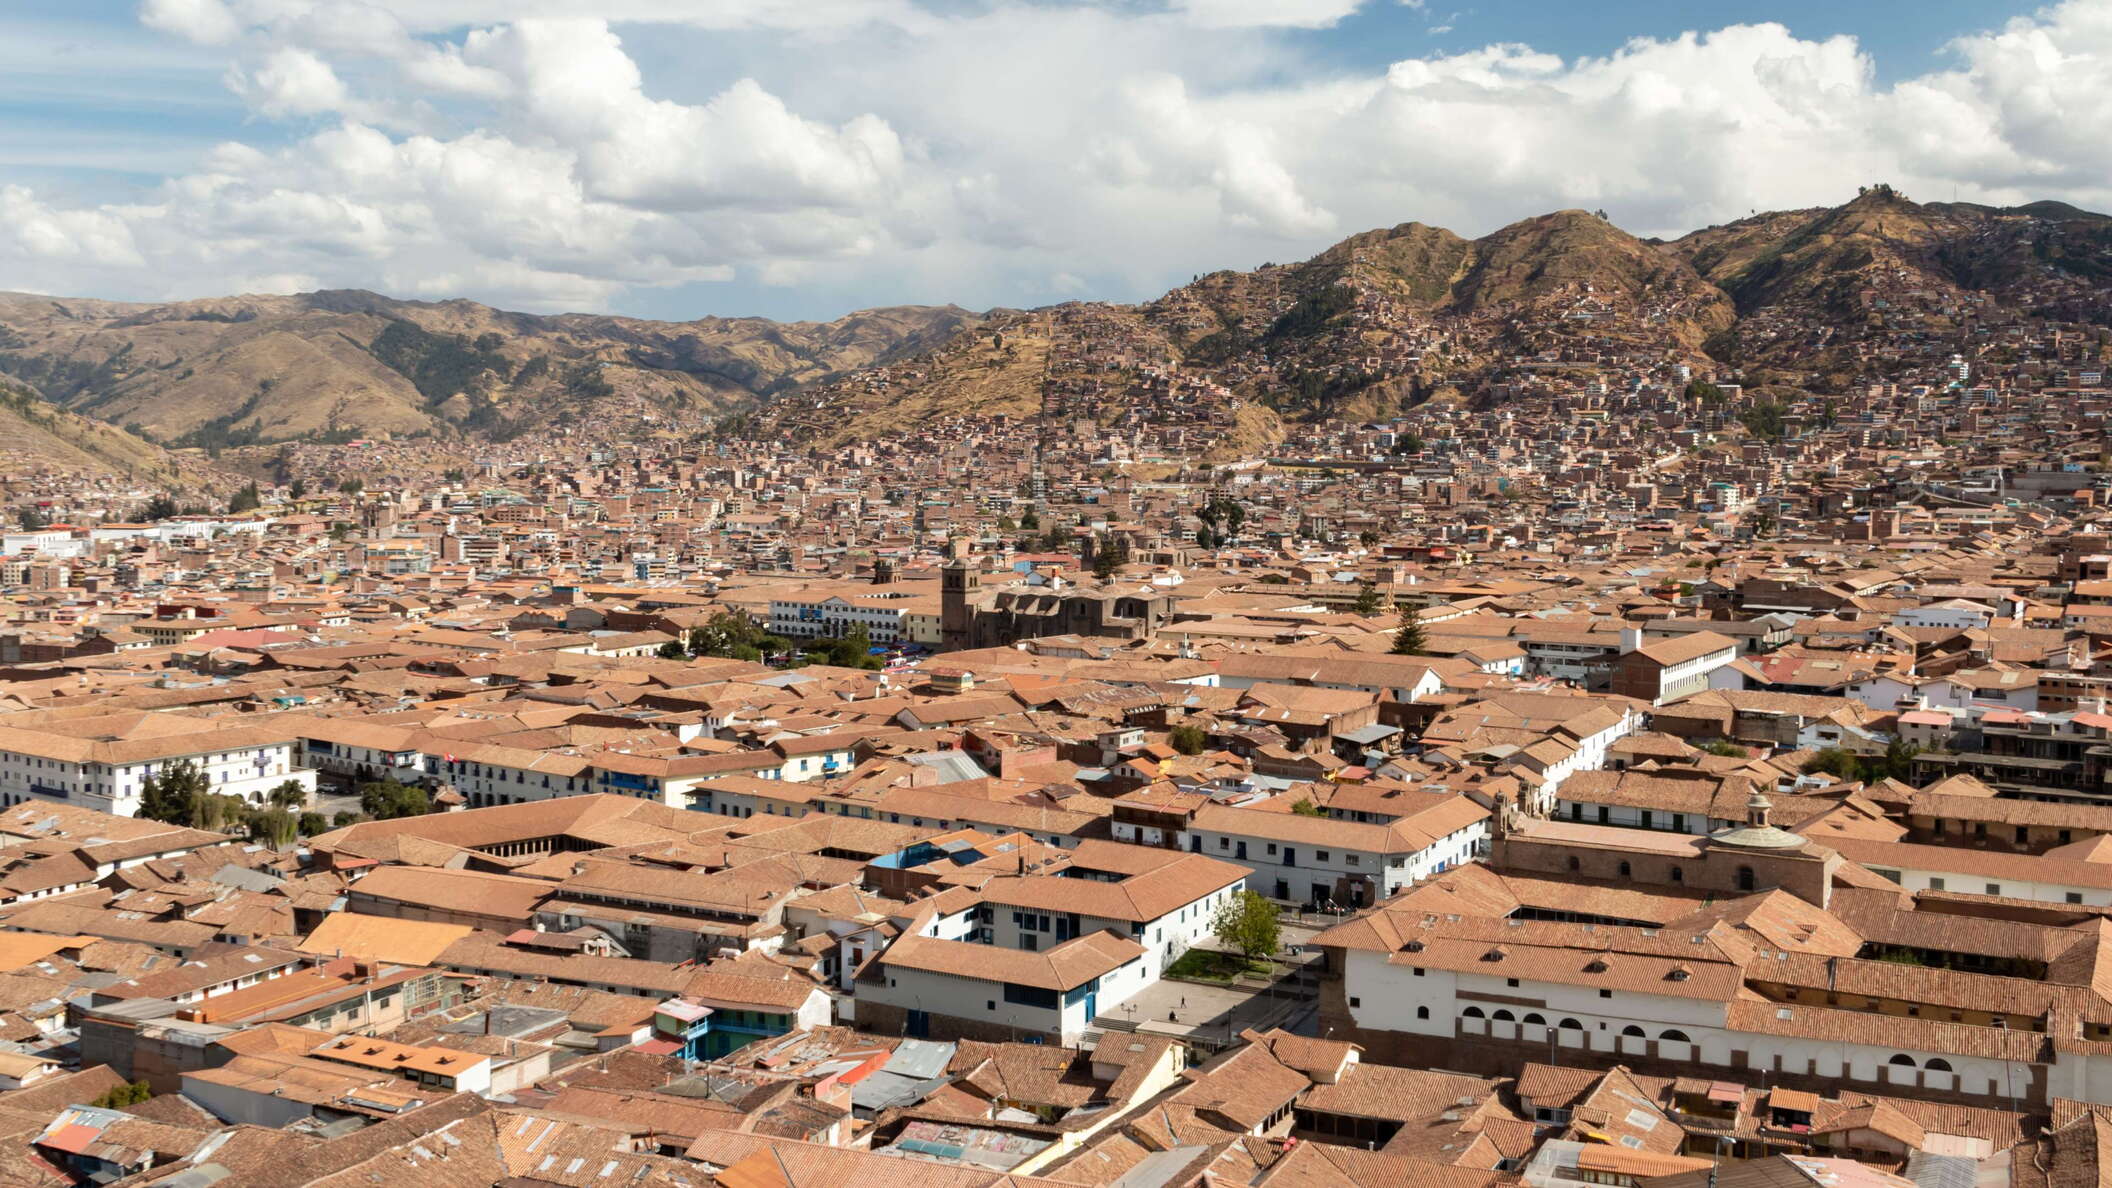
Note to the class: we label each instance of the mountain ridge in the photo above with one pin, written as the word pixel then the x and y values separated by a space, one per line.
pixel 1370 325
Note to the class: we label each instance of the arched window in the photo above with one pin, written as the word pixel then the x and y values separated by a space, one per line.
pixel 1745 878
pixel 1633 1030
pixel 1502 1016
pixel 1902 1059
pixel 1535 1020
pixel 1472 1013
pixel 1627 871
pixel 1678 876
pixel 1938 1064
pixel 1422 1012
pixel 1574 864
pixel 1676 1036
pixel 1570 1025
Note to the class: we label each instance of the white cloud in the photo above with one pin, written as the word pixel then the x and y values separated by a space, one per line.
pixel 1296 14
pixel 882 151
pixel 208 22
pixel 291 82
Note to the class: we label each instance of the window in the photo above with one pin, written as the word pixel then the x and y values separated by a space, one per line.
pixel 1574 864
pixel 1994 888
pixel 1355 1001
pixel 1938 1064
pixel 1320 855
pixel 1902 1060
pixel 1033 996
pixel 1935 884
pixel 1627 871
pixel 1421 1012
pixel 1746 881
pixel 1472 1013
pixel 1677 1037
pixel 2075 897
pixel 1633 1032
pixel 1678 876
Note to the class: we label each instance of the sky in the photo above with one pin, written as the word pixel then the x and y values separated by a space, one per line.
pixel 804 158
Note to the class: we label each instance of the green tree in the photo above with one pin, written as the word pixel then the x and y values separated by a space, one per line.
pixel 1304 807
pixel 161 507
pixel 1248 923
pixel 671 650
pixel 274 827
pixel 288 795
pixel 120 1096
pixel 1031 521
pixel 733 637
pixel 1187 739
pixel 246 500
pixel 1368 537
pixel 297 489
pixel 33 518
pixel 1729 750
pixel 1764 419
pixel 311 824
pixel 176 794
pixel 1369 600
pixel 1111 555
pixel 385 800
pixel 1408 638
pixel 352 486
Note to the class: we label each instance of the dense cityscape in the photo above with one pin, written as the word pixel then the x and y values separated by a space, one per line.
pixel 1559 708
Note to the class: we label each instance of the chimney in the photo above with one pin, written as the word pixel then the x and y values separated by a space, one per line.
pixel 1631 639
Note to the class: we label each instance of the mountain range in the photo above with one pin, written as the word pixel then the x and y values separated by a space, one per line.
pixel 1369 326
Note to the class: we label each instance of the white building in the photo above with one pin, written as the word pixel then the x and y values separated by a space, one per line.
pixel 104 762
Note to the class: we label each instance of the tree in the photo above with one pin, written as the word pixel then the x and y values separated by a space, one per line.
pixel 352 486
pixel 1408 638
pixel 246 500
pixel 671 650
pixel 161 507
pixel 297 489
pixel 1764 419
pixel 1031 521
pixel 288 794
pixel 274 827
pixel 1248 923
pixel 120 1096
pixel 1368 538
pixel 1369 600
pixel 311 824
pixel 33 518
pixel 176 795
pixel 733 637
pixel 1306 808
pixel 1112 555
pixel 385 800
pixel 1188 740
pixel 1729 750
